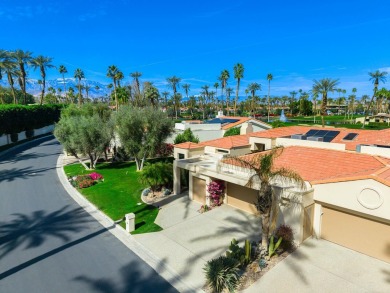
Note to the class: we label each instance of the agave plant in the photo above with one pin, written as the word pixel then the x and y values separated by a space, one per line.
pixel 222 273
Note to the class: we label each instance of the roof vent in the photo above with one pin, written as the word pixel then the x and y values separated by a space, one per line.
pixel 298 136
pixel 315 138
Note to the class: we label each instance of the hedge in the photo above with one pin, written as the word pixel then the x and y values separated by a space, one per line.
pixel 18 118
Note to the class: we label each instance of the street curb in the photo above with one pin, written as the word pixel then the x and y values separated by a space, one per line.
pixel 127 239
pixel 24 144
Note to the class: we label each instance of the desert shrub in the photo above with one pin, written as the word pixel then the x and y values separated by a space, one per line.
pixel 187 135
pixel 222 273
pixel 14 137
pixel 157 175
pixel 232 131
pixel 286 233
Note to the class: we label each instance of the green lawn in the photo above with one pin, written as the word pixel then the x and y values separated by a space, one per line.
pixel 119 194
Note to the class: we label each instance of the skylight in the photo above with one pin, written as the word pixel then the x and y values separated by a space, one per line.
pixel 350 136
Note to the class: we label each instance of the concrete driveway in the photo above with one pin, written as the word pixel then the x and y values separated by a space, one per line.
pixel 321 266
pixel 189 238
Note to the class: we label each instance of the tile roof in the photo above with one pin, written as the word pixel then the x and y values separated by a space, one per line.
pixel 229 142
pixel 380 137
pixel 324 165
pixel 188 145
pixel 240 121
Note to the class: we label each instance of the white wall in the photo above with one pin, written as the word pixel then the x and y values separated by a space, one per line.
pixel 6 138
pixel 378 151
pixel 308 143
pixel 266 141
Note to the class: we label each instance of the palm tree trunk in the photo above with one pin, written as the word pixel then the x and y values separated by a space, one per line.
pixel 265 221
pixel 11 84
pixel 369 107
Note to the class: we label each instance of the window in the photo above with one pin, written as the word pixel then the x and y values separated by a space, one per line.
pixel 222 151
pixel 181 156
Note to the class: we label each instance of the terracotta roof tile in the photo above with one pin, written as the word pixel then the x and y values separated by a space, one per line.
pixel 188 145
pixel 229 142
pixel 324 165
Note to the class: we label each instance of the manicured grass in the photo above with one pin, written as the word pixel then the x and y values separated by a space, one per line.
pixel 119 194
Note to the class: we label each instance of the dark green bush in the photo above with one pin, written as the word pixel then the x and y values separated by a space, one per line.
pixel 29 133
pixel 157 175
pixel 222 273
pixel 233 131
pixel 14 137
pixel 187 135
pixel 17 118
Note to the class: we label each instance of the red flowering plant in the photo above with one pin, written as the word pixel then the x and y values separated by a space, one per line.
pixel 216 190
pixel 96 176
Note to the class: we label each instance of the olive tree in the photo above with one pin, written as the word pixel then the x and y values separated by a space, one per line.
pixel 85 135
pixel 141 131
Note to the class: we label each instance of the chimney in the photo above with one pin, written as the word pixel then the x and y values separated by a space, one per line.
pixel 246 128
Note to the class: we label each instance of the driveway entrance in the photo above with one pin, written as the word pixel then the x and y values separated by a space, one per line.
pixel 189 238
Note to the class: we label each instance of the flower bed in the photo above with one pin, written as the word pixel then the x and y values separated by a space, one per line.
pixel 85 181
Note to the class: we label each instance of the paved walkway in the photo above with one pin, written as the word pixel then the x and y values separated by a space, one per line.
pixel 189 238
pixel 321 266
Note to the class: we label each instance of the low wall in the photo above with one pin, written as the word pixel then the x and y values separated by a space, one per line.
pixel 6 138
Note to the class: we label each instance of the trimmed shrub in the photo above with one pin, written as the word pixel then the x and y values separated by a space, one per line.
pixel 232 131
pixel 187 135
pixel 222 273
pixel 14 137
pixel 30 133
pixel 157 175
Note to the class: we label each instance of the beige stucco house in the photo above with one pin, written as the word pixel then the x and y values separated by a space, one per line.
pixel 347 176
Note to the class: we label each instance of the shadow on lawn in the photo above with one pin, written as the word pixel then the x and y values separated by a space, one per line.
pixel 33 230
pixel 135 277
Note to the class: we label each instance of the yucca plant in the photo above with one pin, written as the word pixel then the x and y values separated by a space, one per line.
pixel 222 273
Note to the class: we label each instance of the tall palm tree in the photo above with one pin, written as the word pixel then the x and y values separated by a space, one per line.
pixel 223 78
pixel 238 75
pixel 165 94
pixel 136 75
pixel 186 88
pixel 9 68
pixel 252 88
pixel 323 87
pixel 62 70
pixel 43 63
pixel 23 59
pixel 375 77
pixel 174 84
pixel 293 94
pixel 216 86
pixel 119 76
pixel 264 172
pixel 112 72
pixel 269 78
pixel 79 74
pixel 228 91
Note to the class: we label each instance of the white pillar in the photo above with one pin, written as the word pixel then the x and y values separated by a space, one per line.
pixel 130 222
pixel 176 179
pixel 208 201
pixel 317 220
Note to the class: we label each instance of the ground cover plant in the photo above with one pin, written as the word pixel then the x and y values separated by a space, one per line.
pixel 119 194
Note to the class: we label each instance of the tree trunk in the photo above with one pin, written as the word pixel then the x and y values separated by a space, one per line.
pixel 265 220
pixel 368 108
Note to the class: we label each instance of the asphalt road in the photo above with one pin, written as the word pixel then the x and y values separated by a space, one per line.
pixel 49 244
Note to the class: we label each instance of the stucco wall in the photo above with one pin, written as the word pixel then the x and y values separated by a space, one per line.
pixel 307 143
pixel 368 197
pixel 6 138
pixel 266 141
pixel 385 152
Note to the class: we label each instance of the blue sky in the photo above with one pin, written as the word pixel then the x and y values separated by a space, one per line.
pixel 296 41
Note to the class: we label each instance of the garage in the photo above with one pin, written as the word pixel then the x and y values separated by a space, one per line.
pixel 199 190
pixel 356 232
pixel 241 197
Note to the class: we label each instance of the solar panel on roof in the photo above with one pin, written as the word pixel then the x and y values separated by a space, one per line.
pixel 222 121
pixel 327 135
pixel 350 136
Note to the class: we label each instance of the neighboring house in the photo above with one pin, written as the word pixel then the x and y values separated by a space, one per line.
pixel 347 175
pixel 379 118
pixel 216 128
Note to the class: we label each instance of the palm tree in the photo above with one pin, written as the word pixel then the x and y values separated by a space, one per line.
pixel 62 70
pixel 186 88
pixel 238 75
pixel 112 72
pixel 165 94
pixel 375 77
pixel 293 94
pixel 9 67
pixel 228 91
pixel 216 86
pixel 22 58
pixel 223 78
pixel 174 84
pixel 269 78
pixel 252 88
pixel 322 87
pixel 263 172
pixel 79 74
pixel 136 75
pixel 119 76
pixel 42 63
